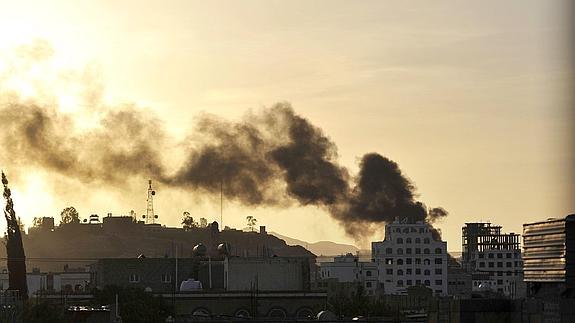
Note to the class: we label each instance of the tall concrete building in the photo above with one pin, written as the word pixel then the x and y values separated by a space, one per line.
pixel 411 255
pixel 549 255
pixel 494 258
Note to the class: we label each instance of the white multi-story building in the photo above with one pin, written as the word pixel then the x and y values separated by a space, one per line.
pixel 348 269
pixel 409 256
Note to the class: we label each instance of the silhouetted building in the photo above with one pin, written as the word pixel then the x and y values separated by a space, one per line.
pixel 495 255
pixel 549 255
pixel 162 275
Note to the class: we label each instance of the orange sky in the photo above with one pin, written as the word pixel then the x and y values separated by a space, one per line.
pixel 473 102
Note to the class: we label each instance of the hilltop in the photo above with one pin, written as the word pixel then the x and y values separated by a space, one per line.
pixel 49 247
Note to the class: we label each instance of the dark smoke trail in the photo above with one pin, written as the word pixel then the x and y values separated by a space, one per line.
pixel 272 158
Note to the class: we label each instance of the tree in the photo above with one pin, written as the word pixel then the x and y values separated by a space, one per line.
pixel 37 222
pixel 203 223
pixel 69 215
pixel 188 222
pixel 251 222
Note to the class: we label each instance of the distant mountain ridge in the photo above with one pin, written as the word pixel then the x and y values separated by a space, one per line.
pixel 320 248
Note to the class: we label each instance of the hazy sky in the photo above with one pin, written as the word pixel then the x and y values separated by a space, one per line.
pixel 473 100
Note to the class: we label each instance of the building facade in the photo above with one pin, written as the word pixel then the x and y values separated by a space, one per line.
pixel 348 269
pixel 496 255
pixel 410 255
pixel 549 255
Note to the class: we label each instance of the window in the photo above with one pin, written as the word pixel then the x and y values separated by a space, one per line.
pixel 166 278
pixel 418 261
pixel 389 271
pixel 134 278
pixel 400 272
pixel 437 250
pixel 491 264
pixel 426 251
pixel 400 251
pixel 418 282
pixel 481 256
pixel 500 255
pixel 508 273
pixel 500 282
pixel 408 251
pixel 388 251
pixel 418 271
pixel 368 284
pixel 490 256
pixel 400 261
pixel 427 283
pixel 400 283
pixel 426 261
pixel 368 273
pixel 408 261
pixel 389 261
pixel 417 251
pixel 508 255
pixel 426 240
pixel 406 230
pixel 499 264
pixel 508 264
pixel 408 271
pixel 499 273
pixel 482 264
pixel 438 261
pixel 438 271
pixel 438 282
pixel 409 282
pixel 408 240
pixel 421 230
pixel 426 272
pixel 417 240
pixel 399 240
pixel 397 230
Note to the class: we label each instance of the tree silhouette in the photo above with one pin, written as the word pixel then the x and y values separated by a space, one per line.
pixel 69 215
pixel 251 222
pixel 188 222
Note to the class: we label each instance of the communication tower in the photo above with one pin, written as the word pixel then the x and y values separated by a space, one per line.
pixel 150 217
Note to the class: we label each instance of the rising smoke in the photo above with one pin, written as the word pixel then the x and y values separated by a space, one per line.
pixel 270 158
pixel 266 159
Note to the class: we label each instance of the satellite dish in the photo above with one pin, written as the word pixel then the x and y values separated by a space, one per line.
pixel 153 192
pixel 155 216
pixel 143 216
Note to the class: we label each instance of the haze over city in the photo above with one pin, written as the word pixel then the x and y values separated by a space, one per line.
pixel 472 102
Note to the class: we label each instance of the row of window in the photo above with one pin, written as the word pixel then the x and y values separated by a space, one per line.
pixel 499 264
pixel 477 283
pixel 409 261
pixel 135 278
pixel 409 271
pixel 409 282
pixel 408 240
pixel 409 251
pixel 412 230
pixel 499 255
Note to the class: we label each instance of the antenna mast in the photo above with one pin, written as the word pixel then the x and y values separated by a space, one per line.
pixel 150 216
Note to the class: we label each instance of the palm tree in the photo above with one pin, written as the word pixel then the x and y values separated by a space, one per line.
pixel 251 222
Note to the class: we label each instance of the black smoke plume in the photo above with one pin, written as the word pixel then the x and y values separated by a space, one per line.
pixel 271 158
